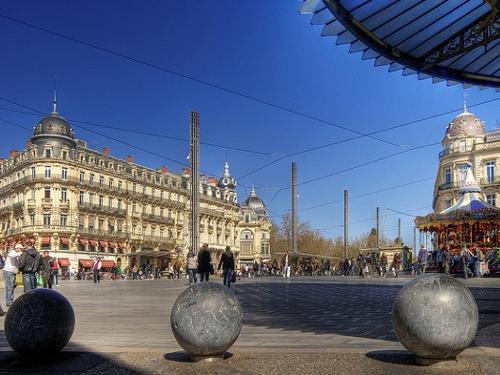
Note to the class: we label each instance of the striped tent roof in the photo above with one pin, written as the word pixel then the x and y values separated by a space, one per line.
pixel 469 202
pixel 454 41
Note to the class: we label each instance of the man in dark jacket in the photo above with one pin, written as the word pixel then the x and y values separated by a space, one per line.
pixel 227 263
pixel 29 265
pixel 46 270
pixel 204 263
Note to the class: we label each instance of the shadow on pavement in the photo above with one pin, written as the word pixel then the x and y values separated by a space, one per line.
pixel 401 357
pixel 356 310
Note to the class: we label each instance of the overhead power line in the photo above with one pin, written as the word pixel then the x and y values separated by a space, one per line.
pixel 191 78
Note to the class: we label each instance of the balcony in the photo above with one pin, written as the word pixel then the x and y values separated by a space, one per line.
pixel 454 150
pixel 490 181
pixel 64 204
pixel 447 186
pixel 47 203
pixel 19 206
pixel 31 204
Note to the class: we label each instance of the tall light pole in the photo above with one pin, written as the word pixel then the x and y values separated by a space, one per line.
pixel 378 227
pixel 346 221
pixel 294 207
pixel 195 175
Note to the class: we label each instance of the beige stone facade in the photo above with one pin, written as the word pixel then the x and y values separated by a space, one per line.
pixel 78 203
pixel 467 142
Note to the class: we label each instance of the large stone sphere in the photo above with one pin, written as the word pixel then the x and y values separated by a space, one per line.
pixel 206 319
pixel 39 322
pixel 435 317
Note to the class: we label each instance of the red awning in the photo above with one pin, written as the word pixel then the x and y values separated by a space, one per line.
pixel 112 245
pixel 65 240
pixel 107 263
pixel 93 242
pixel 86 263
pixel 103 243
pixel 64 262
pixel 83 242
pixel 45 240
pixel 121 245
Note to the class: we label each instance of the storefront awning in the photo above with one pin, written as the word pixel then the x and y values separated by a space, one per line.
pixel 121 245
pixel 83 242
pixel 103 243
pixel 107 263
pixel 93 243
pixel 45 240
pixel 112 245
pixel 86 263
pixel 63 262
pixel 65 240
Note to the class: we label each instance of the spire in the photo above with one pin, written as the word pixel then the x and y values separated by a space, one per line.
pixel 253 193
pixel 54 102
pixel 465 103
pixel 226 169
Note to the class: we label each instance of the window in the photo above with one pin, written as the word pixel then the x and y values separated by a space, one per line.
pixel 134 227
pixel 161 211
pixel 462 147
pixel 490 171
pixel 448 203
pixel 247 218
pixel 144 190
pixel 110 201
pixel 64 154
pixel 119 186
pixel 47 172
pixel 111 228
pixel 64 220
pixel 64 194
pixel 447 176
pixel 143 208
pixel 111 183
pixel 91 179
pixel 161 195
pixel 246 235
pixel 119 204
pixel 101 201
pixel 47 192
pixel 462 172
pixel 82 177
pixel 101 180
pixel 48 153
pixel 64 173
pixel 33 192
pixel 161 234
pixel 134 207
pixel 80 223
pixel 46 219
pixel 82 197
pixel 491 199
pixel 120 226
pixel 33 172
pixel 101 224
pixel 91 198
pixel 32 219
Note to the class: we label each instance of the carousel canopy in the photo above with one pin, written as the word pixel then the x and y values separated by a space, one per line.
pixel 457 41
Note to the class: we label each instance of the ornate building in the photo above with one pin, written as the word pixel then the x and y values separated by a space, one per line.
pixel 466 141
pixel 78 202
pixel 254 229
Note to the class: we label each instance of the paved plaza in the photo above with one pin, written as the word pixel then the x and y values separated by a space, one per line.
pixel 303 325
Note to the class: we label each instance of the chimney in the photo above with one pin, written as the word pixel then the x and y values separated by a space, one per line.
pixel 130 159
pixel 186 171
pixel 212 181
pixel 105 151
pixel 164 169
pixel 13 153
pixel 29 145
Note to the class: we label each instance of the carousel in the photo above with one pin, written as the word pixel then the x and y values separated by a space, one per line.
pixel 471 221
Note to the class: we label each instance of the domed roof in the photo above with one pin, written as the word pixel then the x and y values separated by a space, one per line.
pixel 465 124
pixel 255 202
pixel 54 124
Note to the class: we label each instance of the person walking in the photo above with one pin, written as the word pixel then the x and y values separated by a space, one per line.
pixel 227 264
pixel 204 263
pixel 361 265
pixel 465 257
pixel 383 265
pixel 446 260
pixel 54 267
pixel 29 265
pixel 422 260
pixel 192 265
pixel 440 259
pixel 96 270
pixel 286 266
pixel 45 270
pixel 10 270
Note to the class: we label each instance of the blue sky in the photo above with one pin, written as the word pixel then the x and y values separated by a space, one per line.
pixel 264 49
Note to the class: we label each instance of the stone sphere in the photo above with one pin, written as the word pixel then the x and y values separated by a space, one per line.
pixel 435 317
pixel 40 321
pixel 206 319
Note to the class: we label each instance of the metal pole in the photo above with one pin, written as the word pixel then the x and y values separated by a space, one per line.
pixel 346 216
pixel 414 241
pixel 195 175
pixel 399 231
pixel 294 207
pixel 378 227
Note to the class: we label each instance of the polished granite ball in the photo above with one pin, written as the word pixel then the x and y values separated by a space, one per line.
pixel 435 317
pixel 39 322
pixel 206 319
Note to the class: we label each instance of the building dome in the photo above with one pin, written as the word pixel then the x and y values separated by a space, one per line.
pixel 54 131
pixel 465 125
pixel 254 202
pixel 227 181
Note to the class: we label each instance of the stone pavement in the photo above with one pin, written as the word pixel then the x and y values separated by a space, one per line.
pixel 304 325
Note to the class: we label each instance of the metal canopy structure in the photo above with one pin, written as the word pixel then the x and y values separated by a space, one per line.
pixel 455 41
